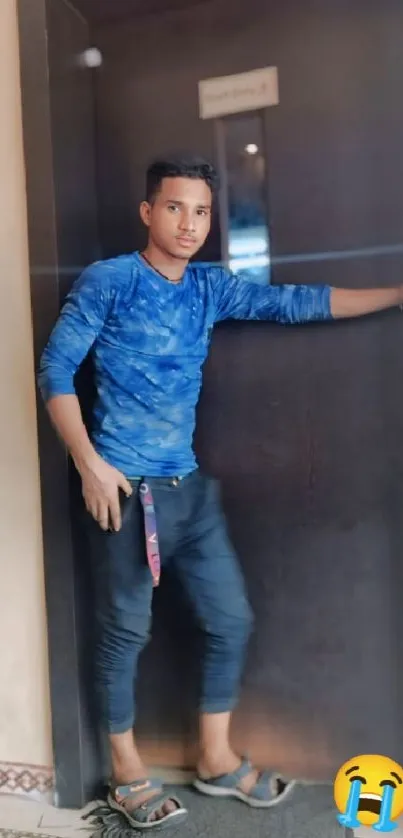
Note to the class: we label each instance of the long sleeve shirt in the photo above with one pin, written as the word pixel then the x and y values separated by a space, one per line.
pixel 149 339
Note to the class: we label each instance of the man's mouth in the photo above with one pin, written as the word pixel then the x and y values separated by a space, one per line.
pixel 370 803
pixel 187 241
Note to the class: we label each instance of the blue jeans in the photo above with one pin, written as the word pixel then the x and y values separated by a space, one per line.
pixel 194 543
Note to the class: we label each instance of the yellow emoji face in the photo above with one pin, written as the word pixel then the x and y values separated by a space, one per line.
pixel 369 789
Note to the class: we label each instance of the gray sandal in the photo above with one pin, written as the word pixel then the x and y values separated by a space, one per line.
pixel 269 790
pixel 139 817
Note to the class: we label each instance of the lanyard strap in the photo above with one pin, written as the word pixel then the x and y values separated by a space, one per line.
pixel 150 526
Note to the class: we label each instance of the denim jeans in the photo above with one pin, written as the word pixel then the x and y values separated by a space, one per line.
pixel 194 543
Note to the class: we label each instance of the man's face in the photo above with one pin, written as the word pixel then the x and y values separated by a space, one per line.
pixel 179 218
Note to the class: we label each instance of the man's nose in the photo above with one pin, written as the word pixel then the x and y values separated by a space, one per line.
pixel 187 223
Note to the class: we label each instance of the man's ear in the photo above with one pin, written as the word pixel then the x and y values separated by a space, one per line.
pixel 145 213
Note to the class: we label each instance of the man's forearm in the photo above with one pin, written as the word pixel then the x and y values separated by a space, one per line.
pixel 65 413
pixel 346 303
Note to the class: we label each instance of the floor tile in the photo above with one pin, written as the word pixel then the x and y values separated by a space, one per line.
pixel 19 814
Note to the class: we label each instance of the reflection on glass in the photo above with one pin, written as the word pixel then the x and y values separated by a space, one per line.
pixel 248 235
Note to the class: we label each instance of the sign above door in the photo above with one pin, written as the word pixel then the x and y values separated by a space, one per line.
pixel 241 92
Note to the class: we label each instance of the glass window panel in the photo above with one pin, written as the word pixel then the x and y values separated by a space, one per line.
pixel 248 234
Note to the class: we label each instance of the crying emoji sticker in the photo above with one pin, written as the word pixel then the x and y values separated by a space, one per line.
pixel 368 791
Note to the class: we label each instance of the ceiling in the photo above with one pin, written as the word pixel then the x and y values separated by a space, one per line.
pixel 107 11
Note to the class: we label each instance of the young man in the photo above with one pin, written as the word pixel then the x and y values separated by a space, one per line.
pixel 147 318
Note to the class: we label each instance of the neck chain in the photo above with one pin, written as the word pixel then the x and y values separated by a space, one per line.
pixel 173 281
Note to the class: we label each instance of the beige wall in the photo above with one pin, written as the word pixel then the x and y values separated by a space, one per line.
pixel 25 734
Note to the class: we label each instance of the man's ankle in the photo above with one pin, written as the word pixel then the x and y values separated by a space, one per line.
pixel 216 762
pixel 127 770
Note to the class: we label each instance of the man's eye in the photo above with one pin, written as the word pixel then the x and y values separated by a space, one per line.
pixel 172 208
pixel 202 212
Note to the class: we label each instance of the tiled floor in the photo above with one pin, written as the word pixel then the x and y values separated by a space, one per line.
pixel 19 816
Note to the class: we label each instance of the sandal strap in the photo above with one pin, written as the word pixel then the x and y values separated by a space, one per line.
pixel 145 810
pixel 233 779
pixel 132 790
pixel 265 786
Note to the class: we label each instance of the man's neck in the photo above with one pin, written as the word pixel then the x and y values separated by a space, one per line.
pixel 170 268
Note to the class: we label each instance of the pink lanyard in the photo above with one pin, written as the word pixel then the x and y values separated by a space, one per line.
pixel 150 526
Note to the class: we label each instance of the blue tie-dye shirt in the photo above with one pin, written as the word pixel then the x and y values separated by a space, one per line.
pixel 149 339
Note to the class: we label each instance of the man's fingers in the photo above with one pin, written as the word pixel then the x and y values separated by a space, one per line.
pixel 103 501
pixel 102 515
pixel 92 508
pixel 125 485
pixel 114 509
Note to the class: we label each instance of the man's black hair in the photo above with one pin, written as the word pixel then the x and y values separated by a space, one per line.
pixel 188 167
